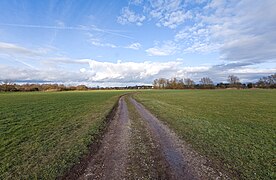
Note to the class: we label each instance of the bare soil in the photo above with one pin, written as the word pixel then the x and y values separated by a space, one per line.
pixel 110 161
pixel 137 145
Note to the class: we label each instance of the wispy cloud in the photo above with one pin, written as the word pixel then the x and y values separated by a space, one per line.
pixel 238 30
pixel 174 19
pixel 78 28
pixel 99 43
pixel 169 13
pixel 247 35
pixel 136 2
pixel 16 50
pixel 129 16
pixel 134 46
pixel 165 49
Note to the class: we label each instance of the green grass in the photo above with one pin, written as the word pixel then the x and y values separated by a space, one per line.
pixel 43 134
pixel 236 129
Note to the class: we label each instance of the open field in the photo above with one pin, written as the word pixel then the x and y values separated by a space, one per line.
pixel 42 134
pixel 234 128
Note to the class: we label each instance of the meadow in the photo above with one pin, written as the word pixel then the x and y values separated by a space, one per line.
pixel 42 134
pixel 235 129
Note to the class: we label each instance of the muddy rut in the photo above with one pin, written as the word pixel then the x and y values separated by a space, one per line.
pixel 139 146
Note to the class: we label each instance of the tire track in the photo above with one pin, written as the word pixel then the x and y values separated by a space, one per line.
pixel 111 159
pixel 184 163
pixel 145 158
pixel 139 146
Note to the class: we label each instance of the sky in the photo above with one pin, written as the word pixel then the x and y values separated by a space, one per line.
pixel 132 42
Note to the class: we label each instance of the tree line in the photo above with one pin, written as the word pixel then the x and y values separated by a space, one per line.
pixel 161 83
pixel 207 83
pixel 9 86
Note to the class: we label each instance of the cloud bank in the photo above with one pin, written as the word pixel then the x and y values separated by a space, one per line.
pixel 93 73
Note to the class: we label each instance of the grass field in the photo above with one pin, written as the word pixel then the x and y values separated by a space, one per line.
pixel 236 129
pixel 42 134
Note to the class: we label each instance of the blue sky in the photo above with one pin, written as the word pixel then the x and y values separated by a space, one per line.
pixel 110 43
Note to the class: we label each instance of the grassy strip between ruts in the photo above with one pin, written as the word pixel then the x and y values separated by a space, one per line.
pixel 144 154
pixel 234 128
pixel 43 134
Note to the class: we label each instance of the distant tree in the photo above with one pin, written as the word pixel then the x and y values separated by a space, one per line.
pixel 272 79
pixel 155 84
pixel 173 83
pixel 181 84
pixel 267 82
pixel 81 87
pixel 233 79
pixel 161 83
pixel 206 82
pixel 189 83
pixel 250 85
pixel 7 85
pixel 223 85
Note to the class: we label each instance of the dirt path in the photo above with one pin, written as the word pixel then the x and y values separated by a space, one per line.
pixel 138 146
pixel 184 162
pixel 110 161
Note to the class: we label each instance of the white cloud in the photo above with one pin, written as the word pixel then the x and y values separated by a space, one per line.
pixel 168 13
pixel 167 48
pixel 92 72
pixel 174 19
pixel 82 70
pixel 196 39
pixel 250 35
pixel 240 30
pixel 16 50
pixel 40 75
pixel 129 71
pixel 164 6
pixel 136 2
pixel 134 46
pixel 253 48
pixel 247 70
pixel 98 43
pixel 129 16
pixel 157 52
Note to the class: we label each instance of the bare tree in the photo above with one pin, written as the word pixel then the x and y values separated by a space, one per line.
pixel 7 84
pixel 173 83
pixel 7 81
pixel 233 80
pixel 206 81
pixel 181 84
pixel 162 83
pixel 189 82
pixel 155 84
pixel 267 82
